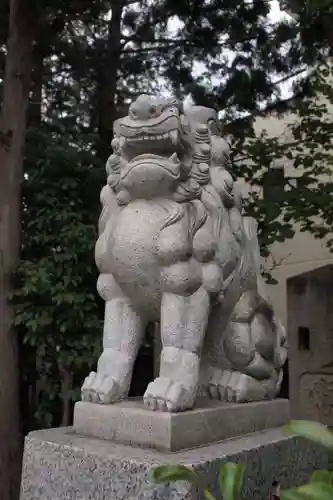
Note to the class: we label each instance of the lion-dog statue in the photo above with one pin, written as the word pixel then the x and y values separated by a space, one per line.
pixel 174 249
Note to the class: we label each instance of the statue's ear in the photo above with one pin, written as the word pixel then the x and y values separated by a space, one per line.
pixel 173 101
pixel 116 124
pixel 214 126
pixel 179 105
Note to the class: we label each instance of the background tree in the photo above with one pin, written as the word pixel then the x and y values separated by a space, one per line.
pixel 315 21
pixel 16 87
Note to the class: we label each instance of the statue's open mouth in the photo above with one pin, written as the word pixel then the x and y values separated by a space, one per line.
pixel 172 136
pixel 170 164
pixel 160 144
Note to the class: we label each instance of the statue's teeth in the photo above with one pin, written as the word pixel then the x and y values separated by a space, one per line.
pixel 174 137
pixel 174 158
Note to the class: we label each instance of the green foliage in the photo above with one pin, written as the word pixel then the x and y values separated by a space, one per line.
pixel 322 476
pixel 311 430
pixel 230 479
pixel 312 155
pixel 321 486
pixel 311 491
pixel 170 473
pixel 304 196
pixel 231 476
pixel 57 311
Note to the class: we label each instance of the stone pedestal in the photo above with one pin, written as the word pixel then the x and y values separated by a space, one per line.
pixel 60 465
pixel 64 463
pixel 129 422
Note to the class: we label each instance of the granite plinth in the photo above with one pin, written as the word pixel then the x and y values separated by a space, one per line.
pixel 129 422
pixel 60 465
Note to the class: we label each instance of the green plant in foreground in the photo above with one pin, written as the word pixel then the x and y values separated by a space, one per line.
pixel 231 477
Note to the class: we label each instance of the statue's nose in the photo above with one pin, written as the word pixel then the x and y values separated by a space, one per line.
pixel 143 108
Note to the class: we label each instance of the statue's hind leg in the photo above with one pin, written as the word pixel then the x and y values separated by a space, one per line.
pixel 122 336
pixel 255 355
pixel 184 319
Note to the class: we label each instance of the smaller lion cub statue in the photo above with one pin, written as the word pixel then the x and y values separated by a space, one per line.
pixel 174 249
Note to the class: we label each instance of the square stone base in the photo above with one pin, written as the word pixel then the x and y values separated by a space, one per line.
pixel 129 422
pixel 60 465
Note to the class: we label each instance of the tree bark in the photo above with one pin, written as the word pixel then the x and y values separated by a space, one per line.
pixel 107 84
pixel 36 95
pixel 66 387
pixel 22 27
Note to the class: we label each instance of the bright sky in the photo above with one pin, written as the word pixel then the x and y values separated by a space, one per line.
pixel 175 26
pixel 275 15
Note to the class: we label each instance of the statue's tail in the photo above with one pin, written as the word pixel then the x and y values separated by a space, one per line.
pixel 251 230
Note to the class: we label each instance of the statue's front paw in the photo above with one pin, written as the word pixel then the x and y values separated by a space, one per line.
pixel 236 387
pixel 101 388
pixel 164 394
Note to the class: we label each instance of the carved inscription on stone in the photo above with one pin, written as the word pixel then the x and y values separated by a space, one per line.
pixel 316 396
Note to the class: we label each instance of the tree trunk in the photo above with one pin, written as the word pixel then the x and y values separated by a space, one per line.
pixel 66 387
pixel 22 25
pixel 328 25
pixel 107 84
pixel 35 105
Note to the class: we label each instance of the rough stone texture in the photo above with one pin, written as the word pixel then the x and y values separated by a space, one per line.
pixel 129 422
pixel 174 248
pixel 59 465
pixel 310 319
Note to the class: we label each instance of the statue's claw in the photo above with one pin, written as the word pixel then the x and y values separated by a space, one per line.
pixel 164 394
pixel 235 387
pixel 101 389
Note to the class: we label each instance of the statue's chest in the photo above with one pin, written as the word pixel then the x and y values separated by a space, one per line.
pixel 135 232
pixel 132 246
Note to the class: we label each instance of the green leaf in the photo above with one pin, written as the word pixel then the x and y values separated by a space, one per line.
pixel 171 473
pixel 311 491
pixel 322 476
pixel 312 5
pixel 231 480
pixel 209 495
pixel 311 430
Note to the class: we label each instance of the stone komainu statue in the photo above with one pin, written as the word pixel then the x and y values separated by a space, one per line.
pixel 173 248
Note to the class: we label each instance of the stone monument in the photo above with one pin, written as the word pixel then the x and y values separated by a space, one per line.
pixel 175 249
pixel 310 320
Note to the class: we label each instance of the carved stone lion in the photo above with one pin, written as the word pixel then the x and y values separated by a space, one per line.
pixel 173 248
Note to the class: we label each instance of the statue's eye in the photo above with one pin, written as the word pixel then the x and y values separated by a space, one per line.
pixel 172 109
pixel 134 111
pixel 152 110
